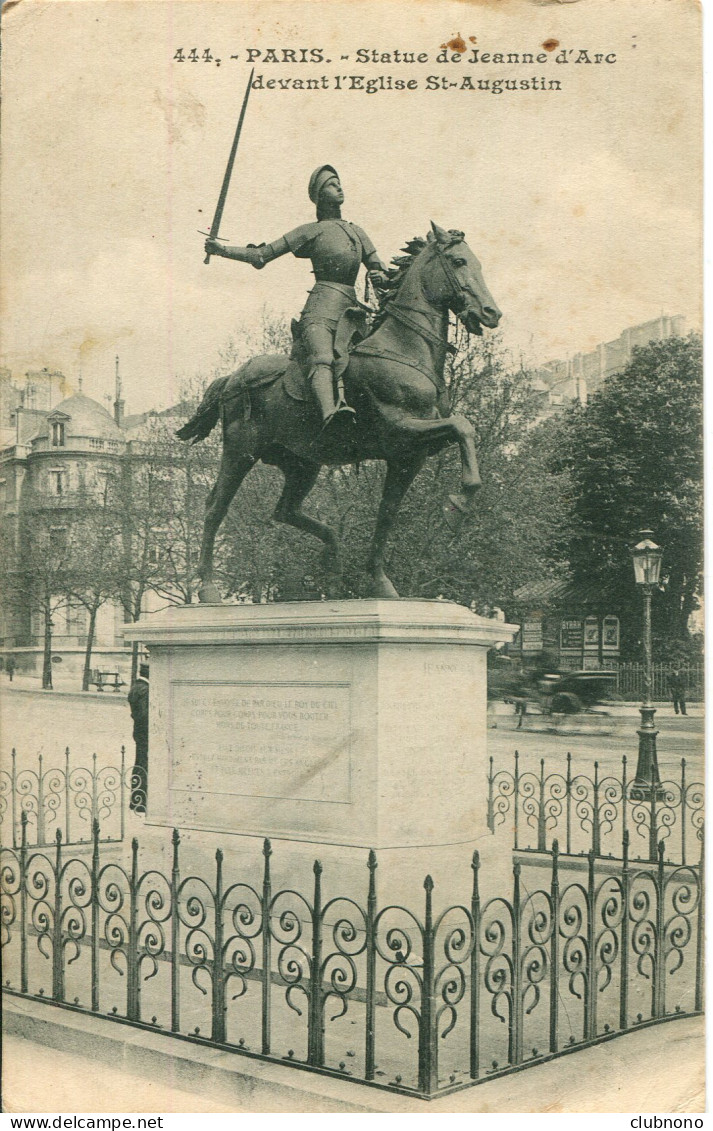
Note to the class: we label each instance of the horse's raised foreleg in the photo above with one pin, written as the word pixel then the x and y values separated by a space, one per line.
pixel 300 478
pixel 454 429
pixel 230 476
pixel 399 477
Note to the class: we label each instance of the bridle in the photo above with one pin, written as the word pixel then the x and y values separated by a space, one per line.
pixel 458 291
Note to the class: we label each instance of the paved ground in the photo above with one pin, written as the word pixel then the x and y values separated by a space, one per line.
pixel 45 722
pixel 623 1075
pixel 678 737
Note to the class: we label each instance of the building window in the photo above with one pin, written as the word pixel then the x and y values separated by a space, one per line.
pixel 58 537
pixel 57 434
pixel 58 482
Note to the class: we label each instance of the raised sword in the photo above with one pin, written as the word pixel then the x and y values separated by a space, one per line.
pixel 215 226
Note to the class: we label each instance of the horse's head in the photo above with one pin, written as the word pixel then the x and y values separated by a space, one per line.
pixel 456 281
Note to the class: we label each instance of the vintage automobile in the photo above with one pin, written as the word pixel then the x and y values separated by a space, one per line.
pixel 552 693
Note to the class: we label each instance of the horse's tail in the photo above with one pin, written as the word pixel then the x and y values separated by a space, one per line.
pixel 206 415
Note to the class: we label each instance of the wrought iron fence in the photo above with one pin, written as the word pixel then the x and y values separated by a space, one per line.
pixel 596 812
pixel 418 1001
pixel 66 797
pixel 630 681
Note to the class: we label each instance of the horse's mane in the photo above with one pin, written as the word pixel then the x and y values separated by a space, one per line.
pixel 396 276
pixel 397 273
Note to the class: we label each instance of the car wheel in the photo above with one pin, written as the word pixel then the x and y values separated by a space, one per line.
pixel 565 703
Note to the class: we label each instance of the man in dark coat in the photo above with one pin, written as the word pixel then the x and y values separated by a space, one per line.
pixel 139 705
pixel 677 687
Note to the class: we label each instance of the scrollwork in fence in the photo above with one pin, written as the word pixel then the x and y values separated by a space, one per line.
pixel 399 939
pixel 294 956
pixel 69 798
pixel 497 942
pixel 536 927
pixel 532 956
pixel 594 813
pixel 454 937
pixel 10 886
pixel 348 935
pixel 195 900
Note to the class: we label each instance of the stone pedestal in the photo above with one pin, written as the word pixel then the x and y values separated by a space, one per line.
pixel 350 723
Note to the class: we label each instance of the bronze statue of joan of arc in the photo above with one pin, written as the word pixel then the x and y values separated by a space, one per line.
pixel 336 249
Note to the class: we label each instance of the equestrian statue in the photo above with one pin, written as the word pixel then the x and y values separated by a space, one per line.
pixel 349 391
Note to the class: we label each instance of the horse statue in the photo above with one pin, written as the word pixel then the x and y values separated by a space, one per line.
pixel 393 379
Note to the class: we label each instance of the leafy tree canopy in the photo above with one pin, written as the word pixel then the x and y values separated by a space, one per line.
pixel 634 458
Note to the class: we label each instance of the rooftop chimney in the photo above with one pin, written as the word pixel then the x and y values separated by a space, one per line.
pixel 118 402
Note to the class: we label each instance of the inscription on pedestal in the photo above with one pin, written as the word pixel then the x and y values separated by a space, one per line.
pixel 282 740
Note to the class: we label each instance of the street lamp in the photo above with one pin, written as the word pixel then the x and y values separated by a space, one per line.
pixel 646 556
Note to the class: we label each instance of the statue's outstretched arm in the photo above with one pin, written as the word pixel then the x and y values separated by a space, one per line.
pixel 256 256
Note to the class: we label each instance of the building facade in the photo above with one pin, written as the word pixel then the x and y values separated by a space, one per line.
pixel 577 377
pixel 57 452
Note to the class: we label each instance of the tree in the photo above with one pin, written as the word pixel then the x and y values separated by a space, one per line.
pixel 93 572
pixel 634 458
pixel 39 582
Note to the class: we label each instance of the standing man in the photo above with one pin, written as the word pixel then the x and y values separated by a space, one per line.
pixel 336 249
pixel 677 687
pixel 10 666
pixel 139 705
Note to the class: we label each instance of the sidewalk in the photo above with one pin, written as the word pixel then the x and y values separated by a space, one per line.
pixel 58 1061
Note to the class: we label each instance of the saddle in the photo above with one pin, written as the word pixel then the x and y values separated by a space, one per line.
pixel 294 370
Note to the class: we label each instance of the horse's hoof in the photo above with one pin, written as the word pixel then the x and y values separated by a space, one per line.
pixel 209 594
pixel 461 503
pixel 384 589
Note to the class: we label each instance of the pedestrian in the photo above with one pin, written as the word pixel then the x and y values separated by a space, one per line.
pixel 677 688
pixel 139 705
pixel 10 667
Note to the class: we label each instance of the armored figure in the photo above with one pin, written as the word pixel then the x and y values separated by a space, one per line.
pixel 336 248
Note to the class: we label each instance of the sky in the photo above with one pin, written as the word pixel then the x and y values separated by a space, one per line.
pixel 583 204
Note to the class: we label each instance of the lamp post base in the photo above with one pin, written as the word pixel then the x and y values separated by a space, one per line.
pixel 647 782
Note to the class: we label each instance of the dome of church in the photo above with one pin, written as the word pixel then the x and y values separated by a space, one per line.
pixel 87 418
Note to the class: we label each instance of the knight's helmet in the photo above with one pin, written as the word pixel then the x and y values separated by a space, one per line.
pixel 319 179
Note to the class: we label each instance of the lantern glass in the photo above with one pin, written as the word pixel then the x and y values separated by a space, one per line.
pixel 646 556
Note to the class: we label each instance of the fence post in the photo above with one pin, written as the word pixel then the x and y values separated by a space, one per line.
pixel 700 928
pixel 95 917
pixel 516 797
pixel 13 790
pixel 515 1042
pixel 67 836
pixel 218 1019
pixel 541 839
pixel 123 795
pixel 659 987
pixel 475 971
pixel 491 815
pixel 596 830
pixel 23 902
pixel 683 810
pixel 175 934
pixel 370 1049
pixel 569 804
pixel 132 955
pixel 653 831
pixel 554 948
pixel 624 941
pixel 95 812
pixel 57 947
pixel 266 949
pixel 427 1032
pixel 40 803
pixel 315 1023
pixel 624 815
pixel 590 998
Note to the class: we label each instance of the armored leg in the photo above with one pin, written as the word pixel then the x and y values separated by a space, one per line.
pixel 322 381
